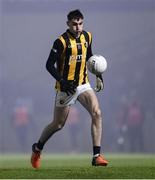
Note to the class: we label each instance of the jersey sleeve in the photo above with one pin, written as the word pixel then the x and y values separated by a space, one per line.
pixel 57 47
pixel 89 50
pixel 54 57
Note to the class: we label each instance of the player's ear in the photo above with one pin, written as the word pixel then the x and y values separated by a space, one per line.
pixel 67 23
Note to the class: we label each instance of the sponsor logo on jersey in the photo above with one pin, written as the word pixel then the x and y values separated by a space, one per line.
pixel 77 58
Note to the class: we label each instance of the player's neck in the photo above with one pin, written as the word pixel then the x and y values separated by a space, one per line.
pixel 74 34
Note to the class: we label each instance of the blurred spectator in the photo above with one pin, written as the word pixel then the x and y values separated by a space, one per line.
pixel 73 122
pixel 134 120
pixel 130 118
pixel 121 124
pixel 22 116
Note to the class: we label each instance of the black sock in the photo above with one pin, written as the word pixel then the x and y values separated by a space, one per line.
pixel 96 150
pixel 40 145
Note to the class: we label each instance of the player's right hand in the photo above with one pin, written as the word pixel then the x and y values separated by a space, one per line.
pixel 68 86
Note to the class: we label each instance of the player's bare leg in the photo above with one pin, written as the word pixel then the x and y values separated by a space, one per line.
pixel 89 100
pixel 60 116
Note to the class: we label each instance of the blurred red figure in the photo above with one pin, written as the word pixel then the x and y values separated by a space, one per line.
pixel 21 116
pixel 22 121
pixel 135 119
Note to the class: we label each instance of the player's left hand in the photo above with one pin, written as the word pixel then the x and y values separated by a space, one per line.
pixel 99 83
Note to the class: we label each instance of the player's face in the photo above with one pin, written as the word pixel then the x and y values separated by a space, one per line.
pixel 75 26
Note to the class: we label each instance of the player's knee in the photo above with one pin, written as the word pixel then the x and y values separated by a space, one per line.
pixel 96 114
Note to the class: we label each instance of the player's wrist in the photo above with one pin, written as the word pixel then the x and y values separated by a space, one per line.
pixel 62 81
pixel 100 77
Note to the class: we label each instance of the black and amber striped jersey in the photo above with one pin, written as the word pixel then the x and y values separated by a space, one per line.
pixel 71 55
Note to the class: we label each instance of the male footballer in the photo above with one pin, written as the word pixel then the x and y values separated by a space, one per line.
pixel 67 64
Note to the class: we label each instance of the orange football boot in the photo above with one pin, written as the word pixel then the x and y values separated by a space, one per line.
pixel 99 161
pixel 35 157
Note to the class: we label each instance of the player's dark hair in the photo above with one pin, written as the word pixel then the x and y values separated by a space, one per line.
pixel 75 14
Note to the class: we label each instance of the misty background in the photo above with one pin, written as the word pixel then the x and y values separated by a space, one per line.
pixel 123 32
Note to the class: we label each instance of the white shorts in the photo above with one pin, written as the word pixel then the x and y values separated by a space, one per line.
pixel 62 99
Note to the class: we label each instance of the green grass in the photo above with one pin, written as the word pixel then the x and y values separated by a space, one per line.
pixel 121 166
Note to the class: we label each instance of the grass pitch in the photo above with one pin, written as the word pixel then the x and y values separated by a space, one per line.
pixel 121 166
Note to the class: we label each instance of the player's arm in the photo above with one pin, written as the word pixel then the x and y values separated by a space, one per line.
pixel 89 51
pixel 54 57
pixel 99 79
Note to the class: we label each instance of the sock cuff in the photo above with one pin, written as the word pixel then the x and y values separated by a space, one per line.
pixel 96 150
pixel 40 146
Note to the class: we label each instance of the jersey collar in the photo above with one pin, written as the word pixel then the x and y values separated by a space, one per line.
pixel 68 31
